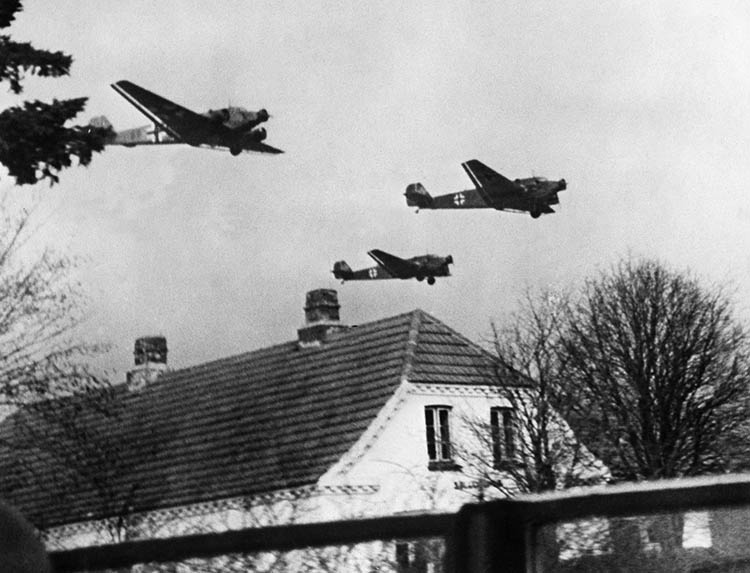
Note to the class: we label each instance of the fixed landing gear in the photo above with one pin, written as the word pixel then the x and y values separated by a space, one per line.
pixel 430 280
pixel 235 150
pixel 536 214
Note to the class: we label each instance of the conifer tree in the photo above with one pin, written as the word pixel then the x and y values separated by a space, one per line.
pixel 35 143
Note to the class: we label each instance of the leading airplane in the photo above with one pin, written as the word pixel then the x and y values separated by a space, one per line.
pixel 393 267
pixel 533 195
pixel 231 127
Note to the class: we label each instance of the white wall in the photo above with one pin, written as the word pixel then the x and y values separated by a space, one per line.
pixel 393 453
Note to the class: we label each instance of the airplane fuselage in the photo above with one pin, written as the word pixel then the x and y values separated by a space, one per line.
pixel 532 195
pixel 391 267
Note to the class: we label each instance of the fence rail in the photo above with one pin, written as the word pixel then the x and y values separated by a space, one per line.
pixel 275 538
pixel 493 536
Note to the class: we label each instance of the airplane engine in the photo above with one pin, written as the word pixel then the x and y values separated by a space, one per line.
pixel 258 134
pixel 252 119
pixel 218 116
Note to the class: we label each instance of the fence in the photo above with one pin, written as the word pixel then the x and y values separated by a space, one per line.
pixel 680 525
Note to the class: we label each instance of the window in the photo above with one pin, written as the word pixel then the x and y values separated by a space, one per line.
pixel 403 557
pixel 418 556
pixel 439 448
pixel 502 422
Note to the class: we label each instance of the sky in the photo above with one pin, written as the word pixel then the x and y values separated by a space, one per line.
pixel 641 106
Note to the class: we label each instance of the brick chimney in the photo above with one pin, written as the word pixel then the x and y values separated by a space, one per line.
pixel 321 317
pixel 150 361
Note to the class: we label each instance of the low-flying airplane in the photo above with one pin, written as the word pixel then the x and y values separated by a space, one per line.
pixel 392 267
pixel 231 127
pixel 533 195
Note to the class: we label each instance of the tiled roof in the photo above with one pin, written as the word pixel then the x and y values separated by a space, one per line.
pixel 246 425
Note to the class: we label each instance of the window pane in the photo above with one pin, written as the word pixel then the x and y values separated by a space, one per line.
pixel 445 439
pixel 402 554
pixel 508 428
pixel 429 418
pixel 497 445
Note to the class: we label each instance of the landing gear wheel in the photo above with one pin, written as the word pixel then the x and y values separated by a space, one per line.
pixel 420 278
pixel 536 214
pixel 235 150
pixel 430 280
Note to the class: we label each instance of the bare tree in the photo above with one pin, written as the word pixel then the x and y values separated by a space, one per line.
pixel 80 451
pixel 69 421
pixel 41 305
pixel 532 447
pixel 656 369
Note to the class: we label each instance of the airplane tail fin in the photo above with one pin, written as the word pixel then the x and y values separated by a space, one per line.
pixel 102 123
pixel 342 271
pixel 417 196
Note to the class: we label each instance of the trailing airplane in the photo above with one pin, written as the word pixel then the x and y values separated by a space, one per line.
pixel 232 127
pixel 533 195
pixel 392 267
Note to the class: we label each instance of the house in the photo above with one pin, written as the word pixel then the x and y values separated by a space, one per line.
pixel 342 422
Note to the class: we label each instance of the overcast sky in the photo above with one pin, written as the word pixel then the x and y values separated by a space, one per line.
pixel 641 106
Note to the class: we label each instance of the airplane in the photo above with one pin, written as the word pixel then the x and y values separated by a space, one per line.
pixel 392 267
pixel 533 195
pixel 230 127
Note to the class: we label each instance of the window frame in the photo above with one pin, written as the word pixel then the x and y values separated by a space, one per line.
pixel 438 437
pixel 504 436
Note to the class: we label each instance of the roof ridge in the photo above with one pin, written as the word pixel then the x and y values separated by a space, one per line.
pixel 457 334
pixel 411 343
pixel 281 345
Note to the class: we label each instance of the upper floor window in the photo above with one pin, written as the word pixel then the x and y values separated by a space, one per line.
pixel 503 424
pixel 439 449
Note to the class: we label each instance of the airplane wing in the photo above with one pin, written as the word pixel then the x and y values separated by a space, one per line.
pixel 489 183
pixel 396 266
pixel 262 147
pixel 179 122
